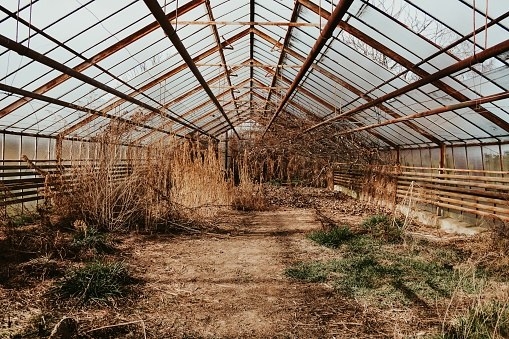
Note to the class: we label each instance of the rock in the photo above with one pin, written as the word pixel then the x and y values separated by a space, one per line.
pixel 67 328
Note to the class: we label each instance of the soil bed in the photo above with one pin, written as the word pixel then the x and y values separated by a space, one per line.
pixel 231 283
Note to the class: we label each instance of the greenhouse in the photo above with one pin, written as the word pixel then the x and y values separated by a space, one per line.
pixel 254 169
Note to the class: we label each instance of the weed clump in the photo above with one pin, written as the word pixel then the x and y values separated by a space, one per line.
pixel 363 272
pixel 95 282
pixel 385 227
pixel 483 322
pixel 92 240
pixel 332 238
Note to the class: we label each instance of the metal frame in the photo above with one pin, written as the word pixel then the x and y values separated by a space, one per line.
pixel 291 49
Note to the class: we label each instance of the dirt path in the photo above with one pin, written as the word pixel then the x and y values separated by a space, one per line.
pixel 234 286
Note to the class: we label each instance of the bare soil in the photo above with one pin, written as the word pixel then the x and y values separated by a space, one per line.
pixel 234 285
pixel 227 283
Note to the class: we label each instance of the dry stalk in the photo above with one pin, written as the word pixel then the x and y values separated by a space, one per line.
pixel 166 184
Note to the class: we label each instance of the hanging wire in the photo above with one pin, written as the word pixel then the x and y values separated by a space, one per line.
pixel 320 13
pixel 473 19
pixel 486 27
pixel 176 16
pixel 164 99
pixel 335 97
pixel 30 24
pixel 17 20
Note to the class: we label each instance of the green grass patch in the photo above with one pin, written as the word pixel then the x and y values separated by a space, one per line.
pixel 482 322
pixel 370 268
pixel 385 227
pixel 93 240
pixel 95 282
pixel 309 272
pixel 22 219
pixel 399 276
pixel 332 238
pixel 363 244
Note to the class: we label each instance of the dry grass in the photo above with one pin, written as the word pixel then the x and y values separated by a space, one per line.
pixel 136 188
pixel 249 196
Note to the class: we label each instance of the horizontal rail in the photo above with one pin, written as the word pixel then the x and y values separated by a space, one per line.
pixel 20 183
pixel 476 192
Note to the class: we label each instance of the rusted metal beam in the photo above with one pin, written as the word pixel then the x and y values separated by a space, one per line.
pixel 194 109
pixel 467 62
pixel 158 80
pixel 408 64
pixel 221 53
pixel 382 107
pixel 286 41
pixel 25 51
pixel 246 23
pixel 325 34
pixel 486 99
pixel 102 55
pixel 216 119
pixel 32 95
pixel 158 13
pixel 249 65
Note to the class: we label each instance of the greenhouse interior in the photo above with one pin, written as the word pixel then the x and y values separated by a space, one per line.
pixel 254 169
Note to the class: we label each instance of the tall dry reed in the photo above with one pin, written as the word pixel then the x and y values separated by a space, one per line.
pixel 249 196
pixel 120 188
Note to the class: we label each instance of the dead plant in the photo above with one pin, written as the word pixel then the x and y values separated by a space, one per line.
pixel 142 188
pixel 249 196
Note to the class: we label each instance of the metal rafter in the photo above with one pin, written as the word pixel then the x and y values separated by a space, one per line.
pixel 62 103
pixel 218 42
pixel 157 81
pixel 158 13
pixel 251 44
pixel 439 110
pixel 325 34
pixel 286 41
pixel 101 56
pixel 25 51
pixel 408 65
pixel 245 23
pixel 467 62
